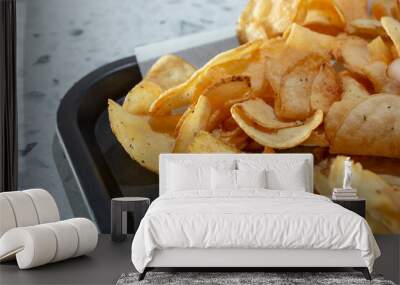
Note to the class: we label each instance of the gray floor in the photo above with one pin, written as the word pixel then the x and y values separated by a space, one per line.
pixel 110 260
pixel 103 266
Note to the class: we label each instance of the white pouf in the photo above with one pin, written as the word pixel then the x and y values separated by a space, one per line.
pixel 23 208
pixel 37 245
pixel 26 208
pixel 7 219
pixel 46 207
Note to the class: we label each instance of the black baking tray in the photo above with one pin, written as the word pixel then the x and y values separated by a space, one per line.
pixel 101 166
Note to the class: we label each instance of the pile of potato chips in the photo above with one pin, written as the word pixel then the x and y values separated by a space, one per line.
pixel 310 76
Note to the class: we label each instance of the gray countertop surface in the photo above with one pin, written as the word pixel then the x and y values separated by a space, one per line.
pixel 58 42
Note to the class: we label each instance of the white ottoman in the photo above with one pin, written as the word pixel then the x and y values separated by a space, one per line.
pixel 40 244
pixel 31 232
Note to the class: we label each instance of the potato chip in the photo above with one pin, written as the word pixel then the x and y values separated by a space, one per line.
pixel 205 142
pixel 253 147
pixel 322 16
pixel 321 180
pixel 169 71
pixel 236 137
pixel 371 128
pixel 381 8
pixel 393 70
pixel 376 73
pixel 226 89
pixel 353 94
pixel 223 94
pixel 352 51
pixel 317 138
pixel 140 98
pixel 371 187
pixel 392 28
pixel 238 61
pixel 137 137
pixel 255 31
pixel 195 121
pixel 379 51
pixel 245 19
pixel 325 89
pixel 164 124
pixel 279 58
pixel 268 150
pixel 281 138
pixel 263 114
pixel 304 39
pixel 352 9
pixel 366 27
pixel 293 100
pixel 274 15
pixel 382 210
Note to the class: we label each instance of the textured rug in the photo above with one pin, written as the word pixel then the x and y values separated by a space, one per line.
pixel 269 278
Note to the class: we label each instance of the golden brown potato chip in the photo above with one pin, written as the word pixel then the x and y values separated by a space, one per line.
pixel 140 98
pixel 185 114
pixel 353 94
pixel 376 73
pixel 371 187
pixel 371 128
pixel 293 100
pixel 164 124
pixel 137 137
pixel 381 8
pixel 352 51
pixel 205 142
pixel 226 89
pixel 275 16
pixel 304 39
pixel 325 89
pixel 281 138
pixel 253 31
pixel 239 61
pixel 366 27
pixel 392 28
pixel 263 114
pixel 252 147
pixel 279 58
pixel 352 9
pixel 317 138
pixel 245 19
pixel 382 210
pixel 223 94
pixel 195 121
pixel 235 137
pixel 169 71
pixel 393 70
pixel 379 51
pixel 322 16
pixel 268 150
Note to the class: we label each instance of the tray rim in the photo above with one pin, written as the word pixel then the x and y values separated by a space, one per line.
pixel 76 132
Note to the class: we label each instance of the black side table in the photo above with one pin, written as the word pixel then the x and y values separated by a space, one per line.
pixel 357 206
pixel 119 208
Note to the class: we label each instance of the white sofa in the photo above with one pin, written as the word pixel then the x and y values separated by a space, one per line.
pixel 31 231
